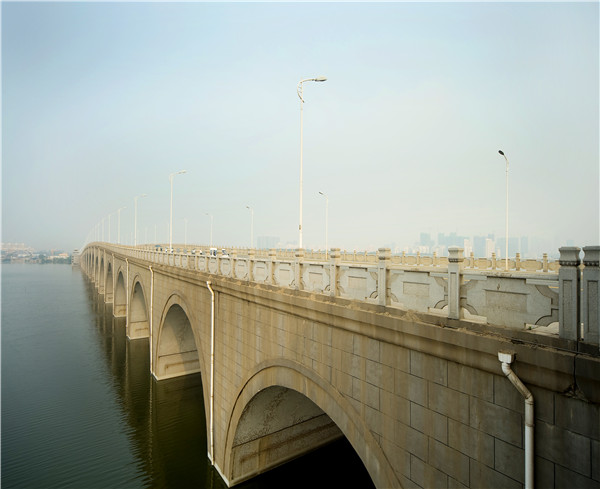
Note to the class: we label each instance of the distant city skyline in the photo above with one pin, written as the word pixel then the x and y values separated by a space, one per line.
pixel 101 102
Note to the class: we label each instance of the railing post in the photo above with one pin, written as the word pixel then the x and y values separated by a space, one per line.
pixel 493 261
pixel 590 299
pixel 385 257
pixel 518 262
pixel 334 270
pixel 298 268
pixel 568 293
pixel 271 266
pixel 455 280
pixel 545 262
pixel 251 253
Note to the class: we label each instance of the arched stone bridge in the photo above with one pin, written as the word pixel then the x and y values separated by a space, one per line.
pixel 401 361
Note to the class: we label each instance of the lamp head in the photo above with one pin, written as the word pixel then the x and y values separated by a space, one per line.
pixel 501 152
pixel 320 79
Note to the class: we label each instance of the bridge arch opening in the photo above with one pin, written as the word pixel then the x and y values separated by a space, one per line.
pixel 176 353
pixel 137 324
pixel 120 297
pixel 108 289
pixel 279 425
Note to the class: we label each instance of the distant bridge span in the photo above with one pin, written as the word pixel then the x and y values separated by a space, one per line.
pixel 398 356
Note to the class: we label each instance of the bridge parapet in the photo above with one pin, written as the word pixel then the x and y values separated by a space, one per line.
pixel 530 295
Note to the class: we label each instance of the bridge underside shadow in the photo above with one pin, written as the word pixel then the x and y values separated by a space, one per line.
pixel 278 425
pixel 177 353
pixel 138 325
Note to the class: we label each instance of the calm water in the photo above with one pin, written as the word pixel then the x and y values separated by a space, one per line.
pixel 81 410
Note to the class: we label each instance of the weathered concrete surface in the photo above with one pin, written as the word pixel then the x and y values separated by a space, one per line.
pixel 421 398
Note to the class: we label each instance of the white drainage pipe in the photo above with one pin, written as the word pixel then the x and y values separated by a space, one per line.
pixel 212 369
pixel 507 358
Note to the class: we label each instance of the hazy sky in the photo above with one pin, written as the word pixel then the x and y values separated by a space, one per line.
pixel 102 101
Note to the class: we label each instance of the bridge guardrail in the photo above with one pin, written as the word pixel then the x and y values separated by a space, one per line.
pixel 532 294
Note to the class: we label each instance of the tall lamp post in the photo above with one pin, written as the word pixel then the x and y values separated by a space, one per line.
pixel 211 226
pixel 109 225
pixel 119 224
pixel 300 90
pixel 506 256
pixel 251 225
pixel 326 221
pixel 135 218
pixel 171 218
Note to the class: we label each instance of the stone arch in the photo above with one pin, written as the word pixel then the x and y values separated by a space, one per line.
pixel 250 450
pixel 138 325
pixel 176 350
pixel 108 288
pixel 120 296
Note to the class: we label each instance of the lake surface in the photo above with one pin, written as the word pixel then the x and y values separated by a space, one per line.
pixel 80 408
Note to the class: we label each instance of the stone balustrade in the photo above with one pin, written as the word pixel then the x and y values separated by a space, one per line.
pixel 553 297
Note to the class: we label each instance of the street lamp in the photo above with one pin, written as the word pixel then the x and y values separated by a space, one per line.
pixel 119 224
pixel 109 225
pixel 135 218
pixel 326 221
pixel 251 225
pixel 171 218
pixel 300 90
pixel 211 226
pixel 506 256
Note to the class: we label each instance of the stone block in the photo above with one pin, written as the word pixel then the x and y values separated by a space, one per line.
pixel 343 382
pixel 567 478
pixel 398 457
pixel 429 422
pixel 374 420
pixel 596 460
pixel 471 442
pixel 509 460
pixel 411 387
pixel 563 447
pixel 354 365
pixel 543 404
pixel 411 440
pixel 429 367
pixel 323 334
pixel 544 473
pixel 483 476
pixel 425 475
pixel 449 461
pixel 454 484
pixel 506 395
pixel 366 347
pixel 496 421
pixel 406 483
pixel 367 393
pixel 471 381
pixel 380 375
pixel 342 340
pixel 398 408
pixel 449 402
pixel 578 416
pixel 395 356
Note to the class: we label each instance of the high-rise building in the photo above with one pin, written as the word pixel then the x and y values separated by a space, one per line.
pixel 267 242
